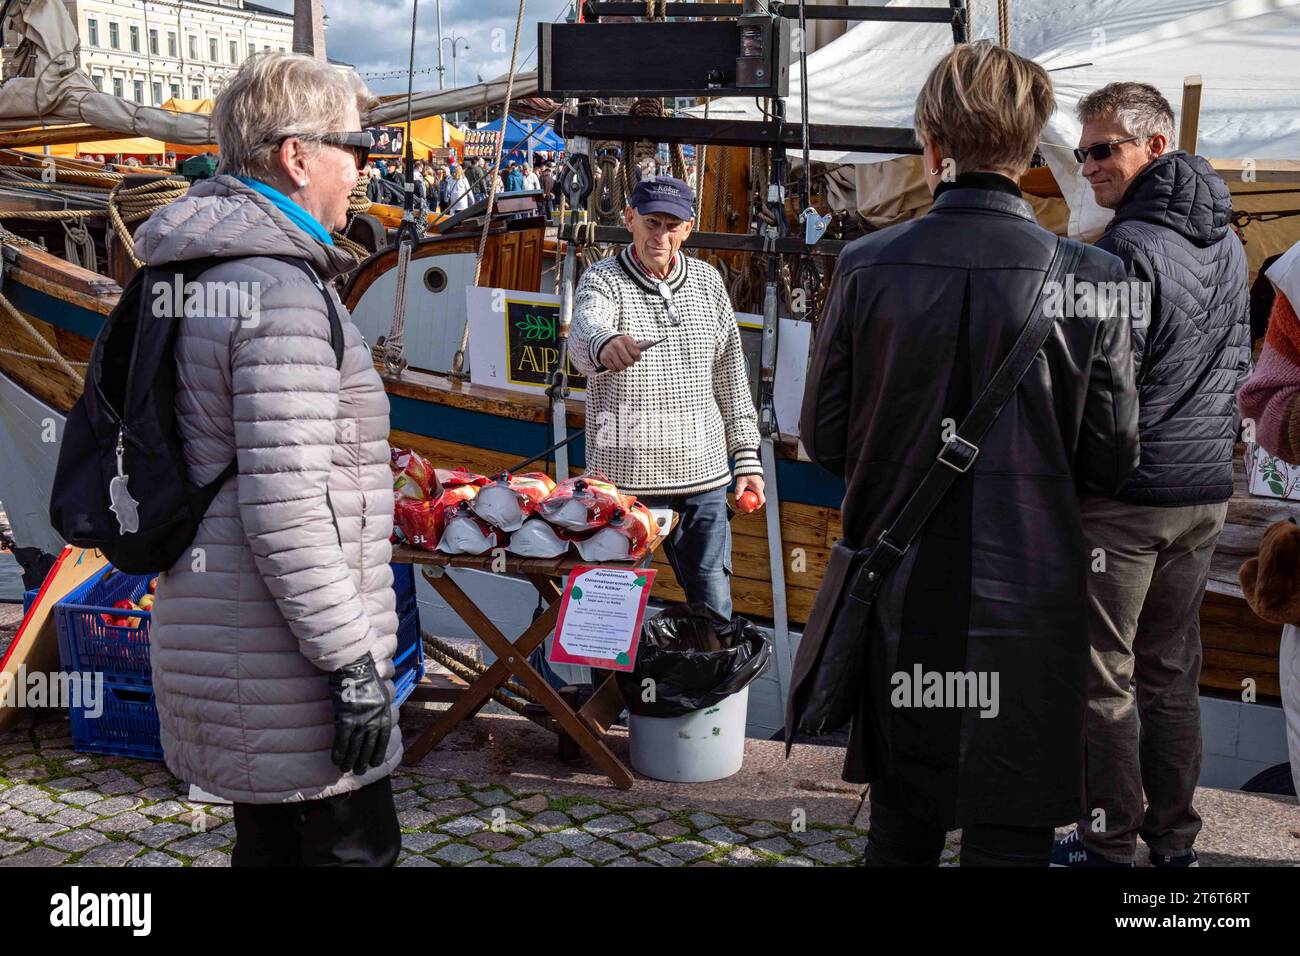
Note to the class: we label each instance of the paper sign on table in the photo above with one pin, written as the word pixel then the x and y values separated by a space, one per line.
pixel 600 617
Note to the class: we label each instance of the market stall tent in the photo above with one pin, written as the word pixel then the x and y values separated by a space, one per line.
pixel 201 107
pixel 517 131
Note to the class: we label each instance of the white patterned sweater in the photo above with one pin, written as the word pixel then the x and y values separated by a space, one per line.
pixel 667 424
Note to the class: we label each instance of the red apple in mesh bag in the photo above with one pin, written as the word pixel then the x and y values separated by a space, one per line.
pixel 627 536
pixel 466 533
pixel 584 504
pixel 506 502
pixel 537 538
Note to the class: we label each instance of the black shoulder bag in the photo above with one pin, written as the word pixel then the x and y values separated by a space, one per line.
pixel 827 682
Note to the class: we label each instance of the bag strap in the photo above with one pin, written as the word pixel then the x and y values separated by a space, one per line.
pixel 960 451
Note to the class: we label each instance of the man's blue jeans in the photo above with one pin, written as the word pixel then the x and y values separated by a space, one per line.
pixel 699 549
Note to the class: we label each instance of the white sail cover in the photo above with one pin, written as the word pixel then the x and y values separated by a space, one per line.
pixel 1247 53
pixel 47 89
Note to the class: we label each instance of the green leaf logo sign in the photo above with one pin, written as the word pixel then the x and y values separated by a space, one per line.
pixel 638 583
pixel 576 593
pixel 537 327
pixel 623 659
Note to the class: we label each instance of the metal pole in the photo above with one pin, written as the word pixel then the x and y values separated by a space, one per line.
pixel 767 415
pixel 438 5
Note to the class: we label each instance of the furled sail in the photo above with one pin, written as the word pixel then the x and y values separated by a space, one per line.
pixel 45 88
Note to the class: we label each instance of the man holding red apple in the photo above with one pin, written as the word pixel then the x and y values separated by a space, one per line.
pixel 668 398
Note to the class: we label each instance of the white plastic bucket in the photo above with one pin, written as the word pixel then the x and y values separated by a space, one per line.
pixel 704 745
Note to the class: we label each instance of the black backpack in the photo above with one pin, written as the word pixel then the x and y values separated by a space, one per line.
pixel 124 427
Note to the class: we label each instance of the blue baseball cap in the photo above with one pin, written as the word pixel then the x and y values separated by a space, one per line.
pixel 664 194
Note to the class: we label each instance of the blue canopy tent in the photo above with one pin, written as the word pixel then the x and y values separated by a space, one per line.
pixel 546 140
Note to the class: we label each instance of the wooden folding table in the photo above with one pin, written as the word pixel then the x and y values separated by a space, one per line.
pixel 585 726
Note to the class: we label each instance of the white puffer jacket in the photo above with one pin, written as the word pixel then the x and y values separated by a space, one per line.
pixel 289 577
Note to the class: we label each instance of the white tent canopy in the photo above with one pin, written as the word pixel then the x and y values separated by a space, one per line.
pixel 1246 51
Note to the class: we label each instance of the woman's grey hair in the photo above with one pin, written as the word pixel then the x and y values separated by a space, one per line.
pixel 1138 107
pixel 278 95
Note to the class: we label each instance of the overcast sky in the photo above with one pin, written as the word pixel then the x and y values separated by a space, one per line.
pixel 375 36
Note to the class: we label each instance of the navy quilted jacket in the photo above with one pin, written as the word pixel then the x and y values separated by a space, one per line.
pixel 1173 231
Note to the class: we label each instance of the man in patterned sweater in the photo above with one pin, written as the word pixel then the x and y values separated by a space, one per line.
pixel 667 395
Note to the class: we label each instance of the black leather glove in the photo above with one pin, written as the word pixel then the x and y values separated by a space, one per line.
pixel 363 716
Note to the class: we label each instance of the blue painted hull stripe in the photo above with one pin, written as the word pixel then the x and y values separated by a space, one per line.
pixel 798 481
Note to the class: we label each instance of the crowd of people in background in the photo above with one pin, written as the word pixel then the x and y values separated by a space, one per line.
pixel 452 187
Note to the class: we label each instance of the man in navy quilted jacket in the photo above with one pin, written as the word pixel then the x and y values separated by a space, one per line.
pixel 1151 545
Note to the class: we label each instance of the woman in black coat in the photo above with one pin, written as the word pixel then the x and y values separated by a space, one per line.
pixel 918 318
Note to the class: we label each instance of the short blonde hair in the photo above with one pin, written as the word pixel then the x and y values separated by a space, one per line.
pixel 278 95
pixel 985 107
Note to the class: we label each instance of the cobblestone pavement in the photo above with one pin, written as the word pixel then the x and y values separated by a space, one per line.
pixel 62 808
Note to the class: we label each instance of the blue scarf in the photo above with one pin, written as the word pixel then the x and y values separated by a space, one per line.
pixel 297 215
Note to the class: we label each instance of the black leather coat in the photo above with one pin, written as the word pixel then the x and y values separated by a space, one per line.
pixel 919 317
pixel 1173 230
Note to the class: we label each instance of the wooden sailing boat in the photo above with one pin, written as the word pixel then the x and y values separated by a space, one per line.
pixel 58 305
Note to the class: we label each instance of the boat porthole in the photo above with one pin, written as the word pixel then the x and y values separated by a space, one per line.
pixel 435 280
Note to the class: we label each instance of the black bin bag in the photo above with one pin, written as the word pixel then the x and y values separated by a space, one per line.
pixel 695 659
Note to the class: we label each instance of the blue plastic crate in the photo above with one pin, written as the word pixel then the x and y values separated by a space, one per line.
pixel 408 661
pixel 29 598
pixel 404 589
pixel 126 727
pixel 87 643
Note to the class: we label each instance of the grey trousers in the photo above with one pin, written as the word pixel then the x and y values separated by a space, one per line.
pixel 1144 628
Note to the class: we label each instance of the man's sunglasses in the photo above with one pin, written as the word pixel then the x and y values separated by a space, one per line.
pixel 1100 151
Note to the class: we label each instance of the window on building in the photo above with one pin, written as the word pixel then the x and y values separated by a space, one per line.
pixel 117 87
pixel 138 90
pixel 153 42
pixel 98 81
pixel 194 48
pixel 281 49
pixel 92 30
pixel 267 48
pixel 196 92
pixel 212 49
pixel 171 44
pixel 157 93
pixel 176 91
pixel 114 40
pixel 135 39
pixel 252 48
pixel 234 51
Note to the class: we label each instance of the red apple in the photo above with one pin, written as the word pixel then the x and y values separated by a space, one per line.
pixel 748 501
pixel 153 586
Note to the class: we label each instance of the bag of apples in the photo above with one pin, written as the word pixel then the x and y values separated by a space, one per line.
pixel 510 499
pixel 585 503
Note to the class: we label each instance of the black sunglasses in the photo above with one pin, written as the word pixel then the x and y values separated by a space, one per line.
pixel 360 142
pixel 1100 151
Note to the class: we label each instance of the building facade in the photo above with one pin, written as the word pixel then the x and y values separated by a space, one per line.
pixel 150 51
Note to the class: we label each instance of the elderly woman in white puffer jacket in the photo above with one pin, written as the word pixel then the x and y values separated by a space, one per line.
pixel 273 637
